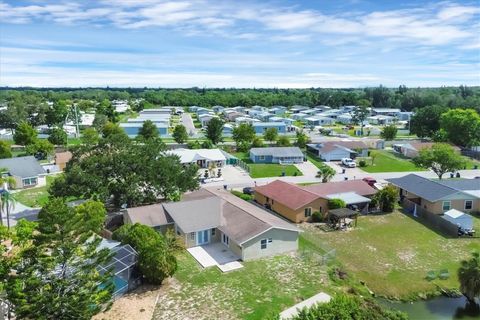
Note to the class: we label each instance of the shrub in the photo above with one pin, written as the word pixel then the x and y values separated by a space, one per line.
pixel 336 204
pixel 242 195
pixel 317 216
pixel 386 198
pixel 362 163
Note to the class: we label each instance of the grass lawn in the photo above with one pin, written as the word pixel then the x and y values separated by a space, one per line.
pixel 264 170
pixel 317 162
pixel 34 197
pixel 392 253
pixel 387 161
pixel 262 288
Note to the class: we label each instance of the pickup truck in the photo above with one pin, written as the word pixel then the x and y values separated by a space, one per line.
pixel 347 162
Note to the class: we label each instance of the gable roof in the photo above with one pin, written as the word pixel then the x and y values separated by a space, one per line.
pixel 23 167
pixel 360 187
pixel 277 152
pixel 188 155
pixel 328 146
pixel 286 193
pixel 217 208
pixel 462 184
pixel 423 187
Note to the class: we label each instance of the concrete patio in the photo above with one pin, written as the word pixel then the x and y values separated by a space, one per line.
pixel 216 254
pixel 293 311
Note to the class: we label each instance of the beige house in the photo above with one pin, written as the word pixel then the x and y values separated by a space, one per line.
pixel 297 203
pixel 439 196
pixel 215 215
pixel 62 158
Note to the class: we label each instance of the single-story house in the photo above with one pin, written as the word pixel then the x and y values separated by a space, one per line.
pixel 297 203
pixel 205 118
pixel 218 109
pixel 297 108
pixel 227 129
pixel 201 157
pixel 345 118
pixel 290 200
pixel 201 110
pixel 319 121
pixel 246 119
pixel 132 128
pixel 332 113
pixel 308 112
pixel 411 149
pixel 151 215
pixel 278 110
pixel 336 150
pixel 348 109
pixel 164 110
pixel 212 215
pixel 276 155
pixel 262 116
pixel 61 159
pixel 393 112
pixel 239 109
pixel 405 116
pixel 439 196
pixel 26 171
pixel 299 116
pixel 261 127
pixel 259 108
pixel 233 116
pixel 381 120
pixel 193 108
pixel 321 108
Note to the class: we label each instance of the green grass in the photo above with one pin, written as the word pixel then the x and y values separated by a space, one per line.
pixel 317 162
pixel 387 161
pixel 262 288
pixel 34 197
pixel 470 163
pixel 264 170
pixel 392 253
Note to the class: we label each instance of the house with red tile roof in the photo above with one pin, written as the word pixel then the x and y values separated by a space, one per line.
pixel 297 203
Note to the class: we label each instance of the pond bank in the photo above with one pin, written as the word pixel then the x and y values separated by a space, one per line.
pixel 438 308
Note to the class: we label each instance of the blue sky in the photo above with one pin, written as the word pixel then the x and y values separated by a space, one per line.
pixel 215 43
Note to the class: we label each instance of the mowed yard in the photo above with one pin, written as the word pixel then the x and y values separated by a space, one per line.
pixel 388 161
pixel 264 170
pixel 392 253
pixel 34 197
pixel 261 289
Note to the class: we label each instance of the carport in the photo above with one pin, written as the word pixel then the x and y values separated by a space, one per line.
pixel 341 218
pixel 353 200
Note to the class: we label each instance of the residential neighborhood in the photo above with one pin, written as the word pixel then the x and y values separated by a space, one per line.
pixel 253 160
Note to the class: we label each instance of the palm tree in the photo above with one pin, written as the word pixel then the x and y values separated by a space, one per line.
pixel 212 165
pixel 469 276
pixel 7 202
pixel 326 173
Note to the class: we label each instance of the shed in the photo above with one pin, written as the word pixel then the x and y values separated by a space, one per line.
pixel 459 218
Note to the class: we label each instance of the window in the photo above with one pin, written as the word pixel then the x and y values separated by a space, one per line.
pixel 263 244
pixel 29 182
pixel 446 205
pixel 267 199
pixel 192 235
pixel 261 157
pixel 468 204
pixel 272 202
pixel 213 231
pixel 320 209
pixel 270 240
pixel 308 212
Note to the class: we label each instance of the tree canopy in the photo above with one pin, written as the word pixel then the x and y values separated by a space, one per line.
pixel 462 127
pixel 148 130
pixel 58 137
pixel 426 121
pixel 180 134
pixel 469 276
pixel 25 134
pixel 56 264
pixel 389 132
pixel 214 130
pixel 120 171
pixel 440 158
pixel 243 136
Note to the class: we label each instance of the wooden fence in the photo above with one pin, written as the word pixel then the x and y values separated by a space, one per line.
pixel 434 221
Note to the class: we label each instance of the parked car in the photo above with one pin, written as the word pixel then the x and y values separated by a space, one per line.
pixel 347 162
pixel 248 190
pixel 371 181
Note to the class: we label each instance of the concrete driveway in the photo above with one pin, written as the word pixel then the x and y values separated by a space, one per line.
pixel 307 168
pixel 21 212
pixel 187 121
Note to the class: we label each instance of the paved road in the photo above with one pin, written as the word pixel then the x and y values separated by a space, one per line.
pixel 187 121
pixel 237 178
pixel 21 212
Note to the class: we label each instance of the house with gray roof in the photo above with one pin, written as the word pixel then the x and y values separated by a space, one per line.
pixel 26 171
pixel 439 196
pixel 280 155
pixel 213 215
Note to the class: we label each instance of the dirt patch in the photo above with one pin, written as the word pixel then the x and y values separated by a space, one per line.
pixel 136 305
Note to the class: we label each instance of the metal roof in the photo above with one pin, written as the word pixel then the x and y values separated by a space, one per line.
pixel 23 167
pixel 277 152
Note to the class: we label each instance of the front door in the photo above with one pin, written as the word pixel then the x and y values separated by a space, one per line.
pixel 203 237
pixel 225 239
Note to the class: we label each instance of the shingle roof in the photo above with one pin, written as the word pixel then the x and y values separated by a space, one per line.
pixel 188 155
pixel 327 146
pixel 462 184
pixel 286 193
pixel 239 219
pixel 423 187
pixel 153 215
pixel 277 152
pixel 360 187
pixel 24 167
